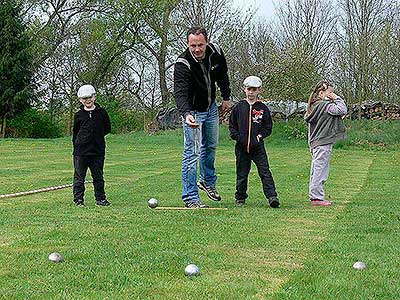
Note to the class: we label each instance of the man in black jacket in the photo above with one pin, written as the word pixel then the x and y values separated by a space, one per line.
pixel 91 124
pixel 196 71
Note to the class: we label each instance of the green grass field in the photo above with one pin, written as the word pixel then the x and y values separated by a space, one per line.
pixel 128 251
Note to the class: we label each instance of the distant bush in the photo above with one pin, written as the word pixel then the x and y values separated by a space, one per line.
pixel 33 124
pixel 363 133
pixel 292 131
pixel 123 120
pixel 376 133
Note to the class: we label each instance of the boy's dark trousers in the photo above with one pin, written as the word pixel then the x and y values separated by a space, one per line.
pixel 243 166
pixel 95 164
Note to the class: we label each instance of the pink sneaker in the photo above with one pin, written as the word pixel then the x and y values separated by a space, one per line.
pixel 317 202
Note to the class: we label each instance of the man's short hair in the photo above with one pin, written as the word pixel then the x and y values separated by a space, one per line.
pixel 196 30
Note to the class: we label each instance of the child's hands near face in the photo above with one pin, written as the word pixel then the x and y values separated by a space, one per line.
pixel 331 95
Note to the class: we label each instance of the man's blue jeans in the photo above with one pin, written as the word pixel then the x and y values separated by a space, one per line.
pixel 200 144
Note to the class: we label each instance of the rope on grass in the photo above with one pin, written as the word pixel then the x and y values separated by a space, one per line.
pixel 48 189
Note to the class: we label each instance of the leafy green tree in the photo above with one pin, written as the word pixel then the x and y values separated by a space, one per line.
pixel 15 63
pixel 291 75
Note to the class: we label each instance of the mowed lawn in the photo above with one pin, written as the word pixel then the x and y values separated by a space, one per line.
pixel 129 251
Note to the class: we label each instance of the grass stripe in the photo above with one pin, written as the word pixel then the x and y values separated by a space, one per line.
pixel 368 231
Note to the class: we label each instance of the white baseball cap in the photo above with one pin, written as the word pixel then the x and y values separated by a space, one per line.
pixel 252 81
pixel 86 91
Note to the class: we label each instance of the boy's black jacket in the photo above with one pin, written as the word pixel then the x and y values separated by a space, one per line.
pixel 190 84
pixel 246 124
pixel 89 130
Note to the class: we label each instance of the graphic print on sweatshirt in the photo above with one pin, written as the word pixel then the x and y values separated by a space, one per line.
pixel 257 115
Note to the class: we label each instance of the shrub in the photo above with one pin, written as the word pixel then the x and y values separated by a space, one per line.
pixel 123 120
pixel 360 133
pixel 372 133
pixel 294 130
pixel 33 124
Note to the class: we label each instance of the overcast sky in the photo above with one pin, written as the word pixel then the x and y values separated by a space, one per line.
pixel 265 7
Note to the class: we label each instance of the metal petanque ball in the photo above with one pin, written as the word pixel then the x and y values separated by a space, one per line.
pixel 153 203
pixel 359 265
pixel 55 257
pixel 192 270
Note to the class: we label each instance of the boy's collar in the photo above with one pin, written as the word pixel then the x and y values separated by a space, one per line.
pixel 251 103
pixel 91 109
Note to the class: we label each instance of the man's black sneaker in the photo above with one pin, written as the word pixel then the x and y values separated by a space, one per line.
pixel 79 203
pixel 211 191
pixel 196 204
pixel 274 202
pixel 103 202
pixel 240 202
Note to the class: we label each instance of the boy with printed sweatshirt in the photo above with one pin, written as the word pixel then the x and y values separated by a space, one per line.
pixel 250 123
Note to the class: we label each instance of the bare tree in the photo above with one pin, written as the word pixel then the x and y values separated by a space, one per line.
pixel 386 66
pixel 214 15
pixel 308 25
pixel 250 48
pixel 156 38
pixel 362 23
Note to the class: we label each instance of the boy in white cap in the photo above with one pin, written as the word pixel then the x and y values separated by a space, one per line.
pixel 91 124
pixel 249 124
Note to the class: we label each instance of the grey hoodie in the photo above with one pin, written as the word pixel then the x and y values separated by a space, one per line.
pixel 325 123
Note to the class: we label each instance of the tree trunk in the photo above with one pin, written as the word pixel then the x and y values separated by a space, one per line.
pixel 163 81
pixel 3 126
pixel 70 112
pixel 162 57
pixel 70 120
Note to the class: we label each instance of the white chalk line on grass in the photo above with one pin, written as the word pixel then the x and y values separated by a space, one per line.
pixel 48 189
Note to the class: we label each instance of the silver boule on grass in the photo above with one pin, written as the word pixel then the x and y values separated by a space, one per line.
pixel 153 203
pixel 55 257
pixel 359 265
pixel 192 270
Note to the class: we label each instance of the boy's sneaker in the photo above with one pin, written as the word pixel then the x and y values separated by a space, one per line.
pixel 103 202
pixel 211 191
pixel 79 202
pixel 196 204
pixel 317 202
pixel 274 202
pixel 240 202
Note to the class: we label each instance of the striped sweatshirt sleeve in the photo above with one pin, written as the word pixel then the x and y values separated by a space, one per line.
pixel 337 107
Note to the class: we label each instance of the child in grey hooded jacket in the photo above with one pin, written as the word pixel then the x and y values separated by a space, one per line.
pixel 325 114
